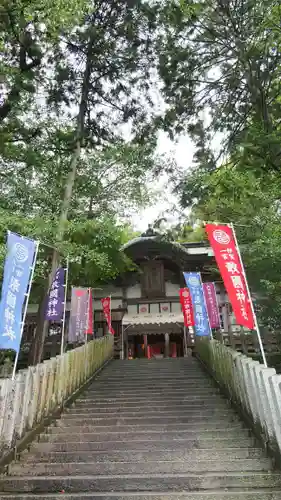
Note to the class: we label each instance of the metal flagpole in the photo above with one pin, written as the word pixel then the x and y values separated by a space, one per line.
pixel 110 311
pixel 87 316
pixel 64 306
pixel 204 298
pixel 25 306
pixel 250 297
pixel 185 339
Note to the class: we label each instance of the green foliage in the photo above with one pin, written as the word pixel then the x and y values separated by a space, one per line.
pixel 93 247
pixel 253 204
pixel 230 69
pixel 232 60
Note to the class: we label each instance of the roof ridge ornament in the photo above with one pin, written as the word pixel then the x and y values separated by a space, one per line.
pixel 150 232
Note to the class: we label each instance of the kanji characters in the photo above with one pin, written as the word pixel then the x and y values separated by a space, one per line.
pixel 227 254
pixel 9 315
pixel 237 282
pixel 18 272
pixel 241 297
pixel 9 332
pixel 54 293
pixel 14 285
pixel 11 299
pixel 232 267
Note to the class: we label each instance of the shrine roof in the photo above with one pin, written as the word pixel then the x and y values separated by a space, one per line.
pixel 143 245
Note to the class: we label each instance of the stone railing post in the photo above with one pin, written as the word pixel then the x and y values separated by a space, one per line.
pixel 42 390
pixel 250 385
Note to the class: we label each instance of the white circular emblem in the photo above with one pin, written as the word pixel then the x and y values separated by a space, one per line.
pixel 194 281
pixel 221 237
pixel 20 252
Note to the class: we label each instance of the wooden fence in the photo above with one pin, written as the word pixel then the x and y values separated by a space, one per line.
pixel 42 390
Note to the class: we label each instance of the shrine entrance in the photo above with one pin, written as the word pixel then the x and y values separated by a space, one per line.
pixel 155 345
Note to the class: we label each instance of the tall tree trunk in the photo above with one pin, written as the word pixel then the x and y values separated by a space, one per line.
pixel 42 325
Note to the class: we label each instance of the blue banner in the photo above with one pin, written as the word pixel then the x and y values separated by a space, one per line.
pixel 194 283
pixel 17 270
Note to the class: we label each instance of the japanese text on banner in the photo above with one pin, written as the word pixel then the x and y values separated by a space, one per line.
pixel 90 326
pixel 17 271
pixel 193 282
pixel 106 305
pixel 186 305
pixel 78 314
pixel 212 304
pixel 55 303
pixel 229 263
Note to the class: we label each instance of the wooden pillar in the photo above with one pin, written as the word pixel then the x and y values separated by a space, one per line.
pixel 184 342
pixel 167 345
pixel 145 345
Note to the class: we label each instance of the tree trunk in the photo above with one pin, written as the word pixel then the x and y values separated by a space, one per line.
pixel 42 325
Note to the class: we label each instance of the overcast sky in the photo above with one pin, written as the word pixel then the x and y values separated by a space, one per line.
pixel 182 151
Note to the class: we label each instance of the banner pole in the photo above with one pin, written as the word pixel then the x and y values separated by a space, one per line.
pixel 110 321
pixel 26 306
pixel 204 298
pixel 64 306
pixel 250 297
pixel 87 316
pixel 185 340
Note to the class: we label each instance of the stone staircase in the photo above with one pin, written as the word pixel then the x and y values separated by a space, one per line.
pixel 146 430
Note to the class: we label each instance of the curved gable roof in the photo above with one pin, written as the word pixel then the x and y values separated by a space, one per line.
pixel 151 244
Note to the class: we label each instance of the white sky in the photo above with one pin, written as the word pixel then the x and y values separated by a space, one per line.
pixel 182 151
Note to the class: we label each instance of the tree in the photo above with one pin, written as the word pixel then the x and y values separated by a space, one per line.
pixel 94 77
pixel 93 247
pixel 252 203
pixel 27 30
pixel 231 57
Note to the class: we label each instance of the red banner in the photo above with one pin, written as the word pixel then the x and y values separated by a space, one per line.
pixel 186 305
pixel 106 305
pixel 229 263
pixel 90 314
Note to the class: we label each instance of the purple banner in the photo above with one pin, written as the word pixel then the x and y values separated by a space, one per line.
pixel 78 314
pixel 55 303
pixel 212 305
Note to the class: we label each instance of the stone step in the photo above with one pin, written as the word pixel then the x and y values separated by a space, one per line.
pixel 149 413
pixel 82 426
pixel 144 455
pixel 147 434
pixel 156 442
pixel 234 494
pixel 146 430
pixel 214 404
pixel 182 377
pixel 151 421
pixel 141 482
pixel 154 387
pixel 149 398
pixel 155 394
pixel 201 388
pixel 146 378
pixel 158 467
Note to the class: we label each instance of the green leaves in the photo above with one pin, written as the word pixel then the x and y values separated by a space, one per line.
pixel 93 247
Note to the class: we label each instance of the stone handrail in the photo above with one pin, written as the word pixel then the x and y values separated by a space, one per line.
pixel 41 390
pixel 250 385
